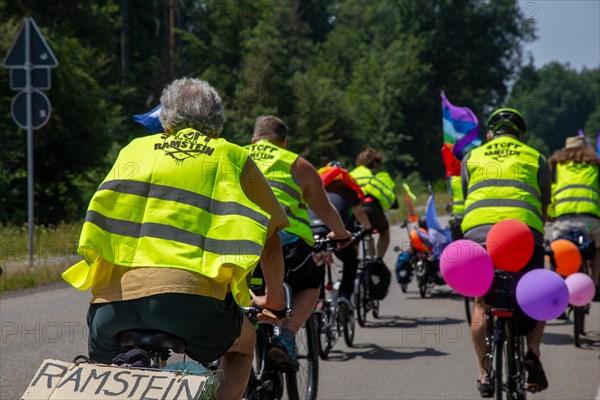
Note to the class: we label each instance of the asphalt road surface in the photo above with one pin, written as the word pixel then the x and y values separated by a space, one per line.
pixel 417 349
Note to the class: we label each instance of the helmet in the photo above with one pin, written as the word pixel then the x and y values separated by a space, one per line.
pixel 507 120
pixel 335 164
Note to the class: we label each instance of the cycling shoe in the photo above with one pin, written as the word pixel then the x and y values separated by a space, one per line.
pixel 283 354
pixel 536 378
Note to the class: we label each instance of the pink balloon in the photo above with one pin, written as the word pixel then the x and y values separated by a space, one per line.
pixel 581 289
pixel 467 268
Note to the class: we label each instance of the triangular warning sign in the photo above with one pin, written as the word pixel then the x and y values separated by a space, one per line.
pixel 40 54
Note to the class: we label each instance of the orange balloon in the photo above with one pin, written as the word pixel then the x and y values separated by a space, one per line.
pixel 566 256
pixel 416 242
pixel 510 245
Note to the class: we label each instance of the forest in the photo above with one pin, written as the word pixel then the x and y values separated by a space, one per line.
pixel 343 74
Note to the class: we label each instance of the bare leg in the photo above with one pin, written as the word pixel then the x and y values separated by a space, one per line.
pixel 237 364
pixel 534 338
pixel 382 243
pixel 478 332
pixel 304 304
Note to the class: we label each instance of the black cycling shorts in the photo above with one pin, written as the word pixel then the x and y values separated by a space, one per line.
pixel 207 325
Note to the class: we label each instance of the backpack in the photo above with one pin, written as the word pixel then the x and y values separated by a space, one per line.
pixel 380 278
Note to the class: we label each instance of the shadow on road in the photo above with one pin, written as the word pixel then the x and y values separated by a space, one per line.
pixel 371 351
pixel 591 340
pixel 395 321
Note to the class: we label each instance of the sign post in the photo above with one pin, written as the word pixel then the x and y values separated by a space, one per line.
pixel 29 60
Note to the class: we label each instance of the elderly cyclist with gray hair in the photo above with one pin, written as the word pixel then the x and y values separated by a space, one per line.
pixel 173 232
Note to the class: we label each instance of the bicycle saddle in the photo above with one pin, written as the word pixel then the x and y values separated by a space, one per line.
pixel 153 339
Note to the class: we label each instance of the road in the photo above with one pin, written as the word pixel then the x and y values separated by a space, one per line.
pixel 417 349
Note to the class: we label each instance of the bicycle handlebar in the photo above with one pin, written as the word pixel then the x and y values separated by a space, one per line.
pixel 252 311
pixel 328 244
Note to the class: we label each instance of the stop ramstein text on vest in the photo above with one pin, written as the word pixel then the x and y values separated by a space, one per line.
pixel 502 149
pixel 184 145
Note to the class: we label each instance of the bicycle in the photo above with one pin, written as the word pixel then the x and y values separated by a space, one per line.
pixel 586 247
pixel 266 381
pixel 504 366
pixel 364 300
pixel 333 318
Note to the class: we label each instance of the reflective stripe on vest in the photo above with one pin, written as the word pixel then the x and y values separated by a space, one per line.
pixel 458 201
pixel 276 165
pixel 176 202
pixel 576 190
pixel 381 185
pixel 503 184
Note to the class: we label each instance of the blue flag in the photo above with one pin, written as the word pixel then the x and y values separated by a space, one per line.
pixel 439 237
pixel 150 120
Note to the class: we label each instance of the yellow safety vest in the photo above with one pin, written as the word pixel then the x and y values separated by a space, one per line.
pixel 576 190
pixel 276 165
pixel 458 201
pixel 503 184
pixel 175 201
pixel 381 185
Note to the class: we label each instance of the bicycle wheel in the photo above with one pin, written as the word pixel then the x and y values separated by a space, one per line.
pixel 468 308
pixel 324 343
pixel 403 287
pixel 515 372
pixel 376 309
pixel 498 366
pixel 302 385
pixel 346 316
pixel 361 300
pixel 264 381
pixel 578 324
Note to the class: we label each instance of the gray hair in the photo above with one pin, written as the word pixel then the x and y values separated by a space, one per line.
pixel 192 103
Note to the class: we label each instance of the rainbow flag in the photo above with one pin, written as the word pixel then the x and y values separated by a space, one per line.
pixel 461 128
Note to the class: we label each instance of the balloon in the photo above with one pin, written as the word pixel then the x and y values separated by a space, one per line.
pixel 510 245
pixel 581 289
pixel 566 256
pixel 417 242
pixel 542 294
pixel 467 268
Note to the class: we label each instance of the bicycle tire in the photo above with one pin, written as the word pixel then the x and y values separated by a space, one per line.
pixel 578 324
pixel 498 366
pixel 468 308
pixel 376 309
pixel 303 385
pixel 264 381
pixel 324 343
pixel 348 325
pixel 515 372
pixel 404 287
pixel 422 286
pixel 361 301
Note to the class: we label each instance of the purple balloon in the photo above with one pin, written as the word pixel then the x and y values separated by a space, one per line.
pixel 467 268
pixel 581 289
pixel 542 294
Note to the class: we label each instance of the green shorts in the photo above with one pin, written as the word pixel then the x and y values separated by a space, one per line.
pixel 207 325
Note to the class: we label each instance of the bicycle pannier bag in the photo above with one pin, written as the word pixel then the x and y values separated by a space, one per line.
pixel 379 279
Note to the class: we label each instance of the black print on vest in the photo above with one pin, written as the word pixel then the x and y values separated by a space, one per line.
pixel 182 146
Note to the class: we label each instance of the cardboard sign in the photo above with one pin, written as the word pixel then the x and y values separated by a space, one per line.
pixel 68 381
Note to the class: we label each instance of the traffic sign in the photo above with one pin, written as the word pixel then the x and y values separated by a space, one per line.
pixel 40 78
pixel 30 40
pixel 40 109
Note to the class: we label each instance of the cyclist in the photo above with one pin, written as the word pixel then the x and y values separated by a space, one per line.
pixel 457 208
pixel 518 189
pixel 380 194
pixel 297 185
pixel 345 195
pixel 576 195
pixel 172 233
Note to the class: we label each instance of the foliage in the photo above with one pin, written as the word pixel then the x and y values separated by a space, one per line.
pixel 343 74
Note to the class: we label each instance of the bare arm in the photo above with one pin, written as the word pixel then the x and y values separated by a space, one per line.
pixel 360 215
pixel 271 263
pixel 307 177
